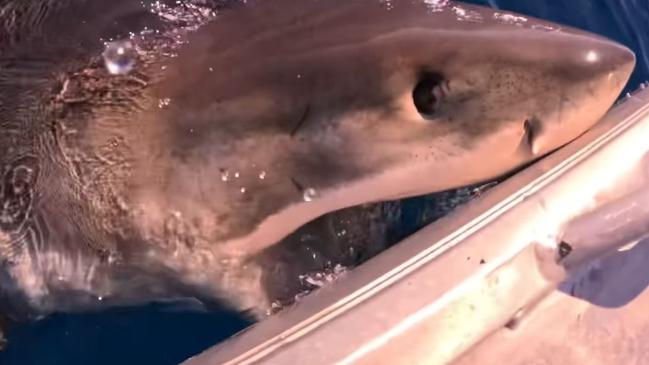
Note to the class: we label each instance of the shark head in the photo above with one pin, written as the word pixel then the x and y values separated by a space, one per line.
pixel 281 112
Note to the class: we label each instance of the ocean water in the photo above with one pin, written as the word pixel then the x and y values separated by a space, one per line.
pixel 626 21
pixel 163 334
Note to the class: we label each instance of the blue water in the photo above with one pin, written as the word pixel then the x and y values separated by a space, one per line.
pixel 626 21
pixel 157 334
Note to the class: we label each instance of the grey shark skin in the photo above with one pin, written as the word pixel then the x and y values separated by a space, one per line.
pixel 145 186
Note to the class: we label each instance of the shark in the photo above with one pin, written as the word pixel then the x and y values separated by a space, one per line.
pixel 151 150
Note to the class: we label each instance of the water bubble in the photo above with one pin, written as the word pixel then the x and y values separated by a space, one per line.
pixel 163 102
pixel 388 4
pixel 112 258
pixel 544 27
pixel 436 5
pixel 309 194
pixel 463 14
pixel 262 175
pixel 506 18
pixel 225 175
pixel 119 57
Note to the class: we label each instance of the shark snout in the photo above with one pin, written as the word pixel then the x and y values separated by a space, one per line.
pixel 594 74
pixel 603 57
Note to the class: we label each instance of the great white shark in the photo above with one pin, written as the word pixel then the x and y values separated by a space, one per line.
pixel 241 121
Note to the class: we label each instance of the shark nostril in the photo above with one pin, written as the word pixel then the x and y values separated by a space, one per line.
pixel 531 128
pixel 529 132
pixel 429 91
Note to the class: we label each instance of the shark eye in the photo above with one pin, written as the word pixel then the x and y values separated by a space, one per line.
pixel 429 91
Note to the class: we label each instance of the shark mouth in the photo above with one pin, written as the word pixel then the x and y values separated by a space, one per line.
pixel 324 249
